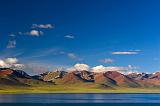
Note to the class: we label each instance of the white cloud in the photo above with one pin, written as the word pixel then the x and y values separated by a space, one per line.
pixel 10 63
pixel 107 60
pixel 102 68
pixel 35 33
pixel 11 60
pixel 32 33
pixel 79 67
pixel 3 64
pixel 125 53
pixel 44 26
pixel 69 36
pixel 99 68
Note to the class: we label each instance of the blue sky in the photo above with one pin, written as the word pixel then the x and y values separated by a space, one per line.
pixel 56 33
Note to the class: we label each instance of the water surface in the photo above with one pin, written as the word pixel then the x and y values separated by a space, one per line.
pixel 79 98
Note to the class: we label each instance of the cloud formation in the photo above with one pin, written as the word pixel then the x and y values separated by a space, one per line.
pixel 125 53
pixel 69 36
pixel 79 67
pixel 11 60
pixel 106 60
pixel 10 63
pixel 44 26
pixel 102 68
pixel 32 33
pixel 35 33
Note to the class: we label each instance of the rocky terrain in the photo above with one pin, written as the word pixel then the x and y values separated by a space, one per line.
pixel 109 79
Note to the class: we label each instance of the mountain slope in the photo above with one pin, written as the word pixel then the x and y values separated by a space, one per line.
pixel 113 78
pixel 17 77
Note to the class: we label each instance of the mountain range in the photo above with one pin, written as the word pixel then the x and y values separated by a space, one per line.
pixel 109 79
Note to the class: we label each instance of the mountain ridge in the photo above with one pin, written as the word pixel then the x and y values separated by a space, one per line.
pixel 112 79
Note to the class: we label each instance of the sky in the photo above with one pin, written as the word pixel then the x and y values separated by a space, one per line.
pixel 61 33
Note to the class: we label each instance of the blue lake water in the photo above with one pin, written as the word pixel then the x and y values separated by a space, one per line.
pixel 79 98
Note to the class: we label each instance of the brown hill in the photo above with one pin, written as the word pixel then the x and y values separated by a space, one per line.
pixel 76 77
pixel 120 79
pixel 70 78
pixel 16 78
pixel 101 79
pixel 4 72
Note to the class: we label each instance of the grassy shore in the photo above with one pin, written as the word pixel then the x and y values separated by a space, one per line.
pixel 62 89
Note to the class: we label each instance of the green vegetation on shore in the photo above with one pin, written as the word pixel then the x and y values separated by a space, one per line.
pixel 69 89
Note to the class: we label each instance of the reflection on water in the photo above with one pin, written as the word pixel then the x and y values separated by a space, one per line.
pixel 80 98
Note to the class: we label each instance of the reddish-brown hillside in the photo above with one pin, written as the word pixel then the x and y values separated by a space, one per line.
pixel 120 79
pixel 70 78
pixel 6 72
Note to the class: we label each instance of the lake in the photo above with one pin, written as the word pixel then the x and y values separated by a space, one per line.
pixel 79 98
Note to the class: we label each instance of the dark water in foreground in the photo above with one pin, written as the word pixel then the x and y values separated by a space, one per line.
pixel 80 98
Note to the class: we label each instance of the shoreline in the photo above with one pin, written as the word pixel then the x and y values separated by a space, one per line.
pixel 64 92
